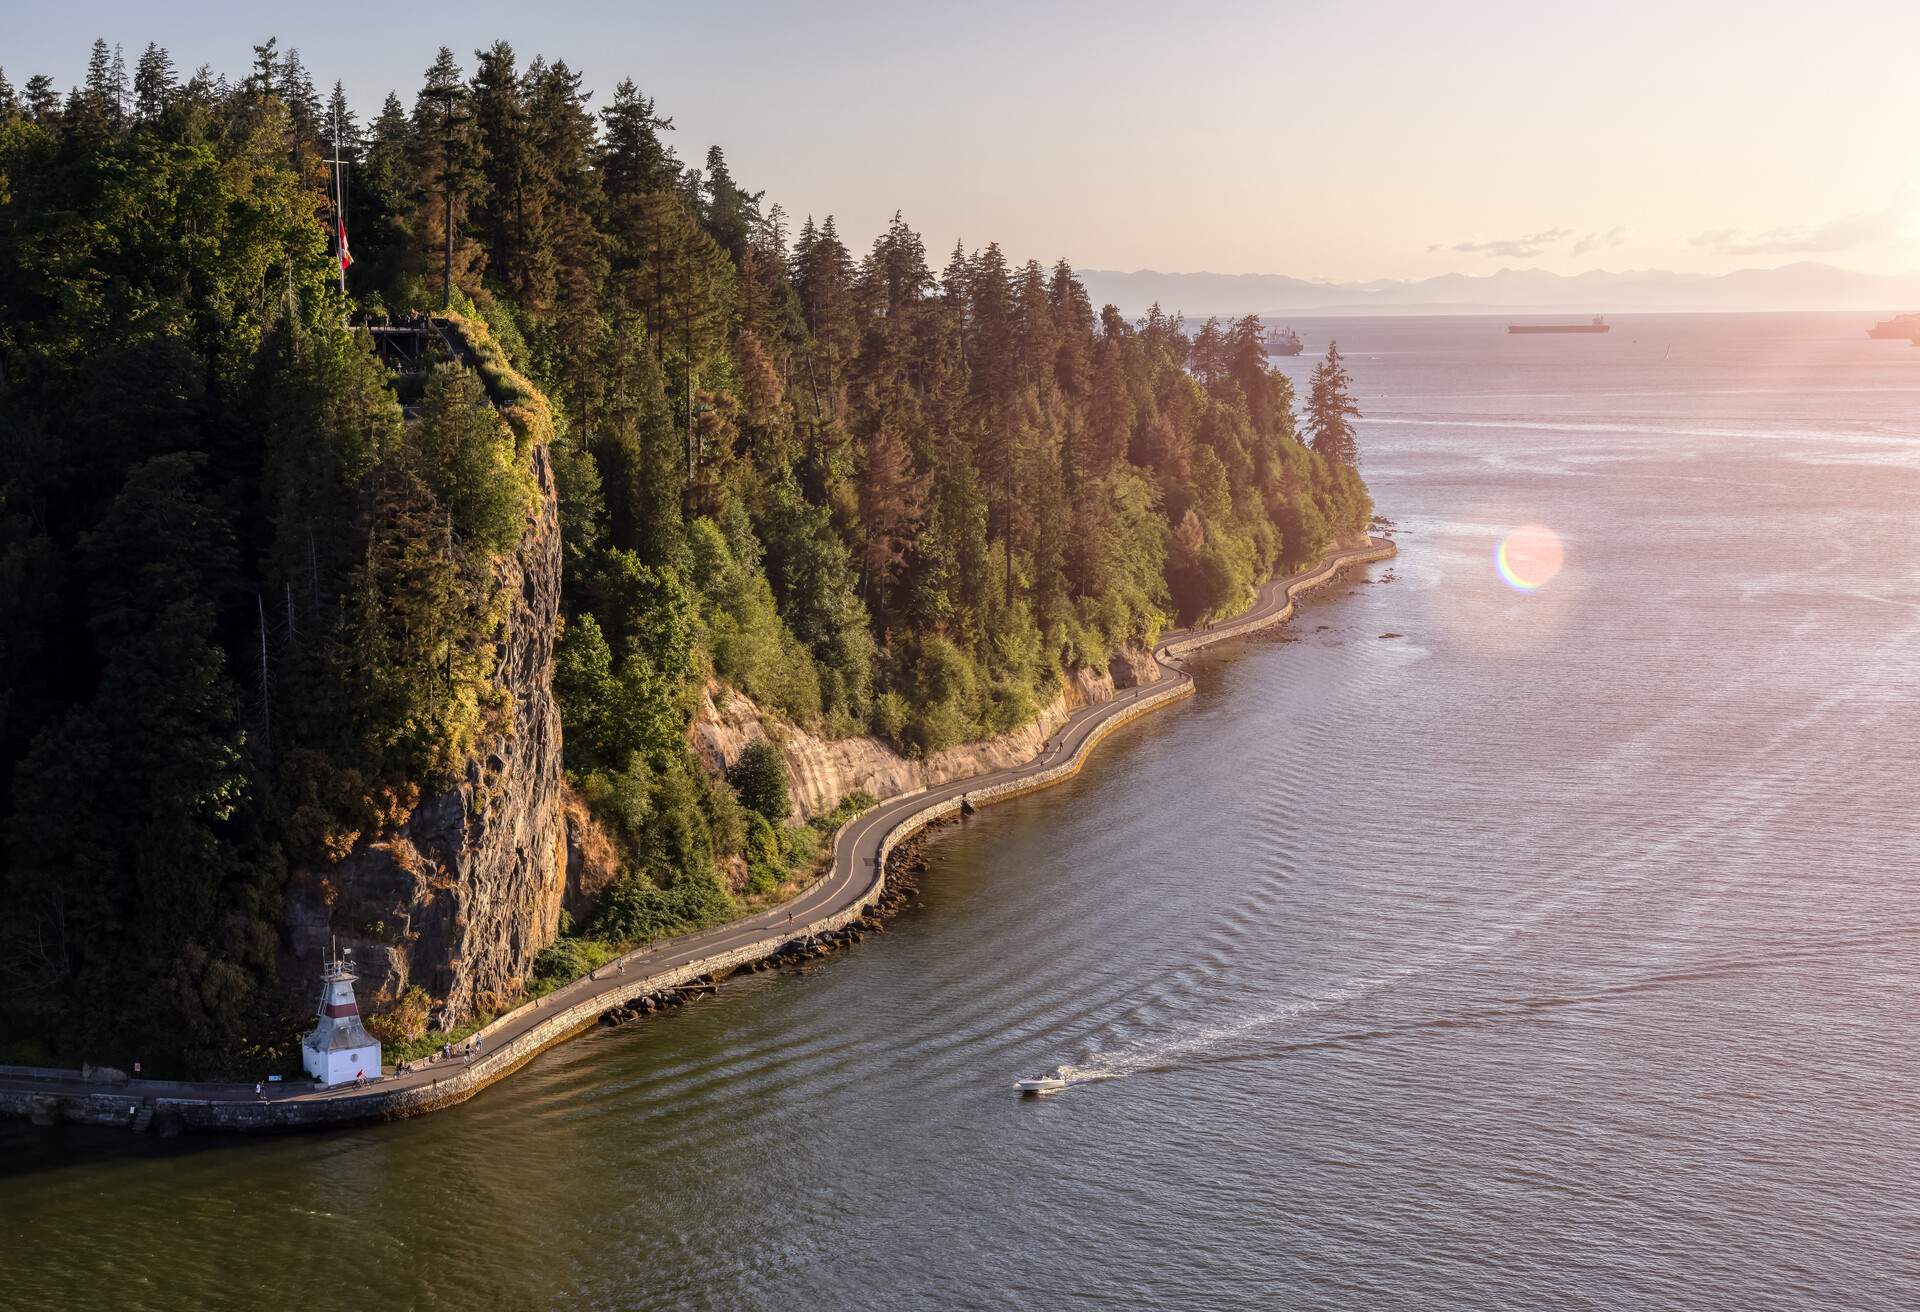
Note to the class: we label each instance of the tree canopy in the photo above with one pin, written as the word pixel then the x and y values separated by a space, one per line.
pixel 249 588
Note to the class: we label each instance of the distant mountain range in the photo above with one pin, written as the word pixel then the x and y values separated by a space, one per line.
pixel 1802 286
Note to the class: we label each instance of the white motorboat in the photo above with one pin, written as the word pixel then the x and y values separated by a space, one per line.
pixel 1043 1083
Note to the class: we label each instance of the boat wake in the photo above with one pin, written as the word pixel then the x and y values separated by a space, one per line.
pixel 1213 1046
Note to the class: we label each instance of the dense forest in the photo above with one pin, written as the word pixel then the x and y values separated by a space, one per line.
pixel 247 583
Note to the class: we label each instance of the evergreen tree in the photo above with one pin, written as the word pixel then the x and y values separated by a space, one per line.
pixel 154 84
pixel 41 100
pixel 117 83
pixel 1331 411
pixel 295 88
pixel 249 605
pixel 447 158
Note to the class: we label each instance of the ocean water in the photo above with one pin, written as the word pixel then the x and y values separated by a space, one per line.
pixel 1561 950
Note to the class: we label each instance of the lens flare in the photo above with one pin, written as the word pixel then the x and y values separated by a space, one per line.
pixel 1528 558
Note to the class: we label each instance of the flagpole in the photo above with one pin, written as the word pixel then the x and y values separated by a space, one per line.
pixel 339 208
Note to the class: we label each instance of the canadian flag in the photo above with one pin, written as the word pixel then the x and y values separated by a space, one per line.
pixel 346 256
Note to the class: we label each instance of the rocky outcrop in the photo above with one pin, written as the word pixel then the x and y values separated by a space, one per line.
pixel 459 898
pixel 822 771
pixel 592 861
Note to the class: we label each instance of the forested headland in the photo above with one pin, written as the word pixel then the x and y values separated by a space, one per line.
pixel 252 587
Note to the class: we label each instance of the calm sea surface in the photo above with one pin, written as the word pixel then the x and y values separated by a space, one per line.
pixel 1561 951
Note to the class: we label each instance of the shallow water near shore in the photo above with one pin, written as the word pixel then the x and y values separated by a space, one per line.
pixel 1560 951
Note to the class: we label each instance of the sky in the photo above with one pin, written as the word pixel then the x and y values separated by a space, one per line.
pixel 1358 140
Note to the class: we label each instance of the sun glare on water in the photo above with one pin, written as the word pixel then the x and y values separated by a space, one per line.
pixel 1528 558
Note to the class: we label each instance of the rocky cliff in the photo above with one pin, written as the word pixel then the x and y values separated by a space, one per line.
pixel 823 771
pixel 460 898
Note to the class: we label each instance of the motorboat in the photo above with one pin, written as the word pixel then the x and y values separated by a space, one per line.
pixel 1057 1079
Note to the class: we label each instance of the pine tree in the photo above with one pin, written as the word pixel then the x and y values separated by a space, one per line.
pixel 295 88
pixel 633 159
pixel 500 216
pixel 729 214
pixel 1331 411
pixel 42 102
pixel 117 83
pixel 570 251
pixel 340 131
pixel 380 192
pixel 154 84
pixel 91 107
pixel 99 81
pixel 448 159
pixel 895 276
pixel 264 77
pixel 891 500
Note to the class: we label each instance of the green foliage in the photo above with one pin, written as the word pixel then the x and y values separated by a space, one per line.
pixel 612 715
pixel 567 959
pixel 250 609
pixel 524 407
pixel 751 647
pixel 759 777
pixel 1331 411
pixel 636 910
pixel 469 464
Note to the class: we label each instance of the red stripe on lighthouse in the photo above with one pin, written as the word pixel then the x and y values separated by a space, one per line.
pixel 338 1009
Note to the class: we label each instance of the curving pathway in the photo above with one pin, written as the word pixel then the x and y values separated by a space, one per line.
pixel 836 899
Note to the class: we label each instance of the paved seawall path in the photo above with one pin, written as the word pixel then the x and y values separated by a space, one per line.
pixel 838 898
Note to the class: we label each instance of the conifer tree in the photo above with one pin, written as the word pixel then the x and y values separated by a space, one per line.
pixel 340 130
pixel 264 77
pixel 448 160
pixel 295 88
pixel 1331 411
pixel 154 83
pixel 42 102
pixel 117 83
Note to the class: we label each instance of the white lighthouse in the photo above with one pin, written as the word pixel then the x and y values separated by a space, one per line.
pixel 339 1049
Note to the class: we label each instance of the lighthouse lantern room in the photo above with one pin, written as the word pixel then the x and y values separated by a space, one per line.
pixel 339 1050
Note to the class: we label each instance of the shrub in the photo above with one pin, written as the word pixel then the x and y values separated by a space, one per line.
pixel 567 959
pixel 405 1020
pixel 889 716
pixel 634 910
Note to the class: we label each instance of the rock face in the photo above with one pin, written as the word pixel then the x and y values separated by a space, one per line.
pixel 821 772
pixel 460 898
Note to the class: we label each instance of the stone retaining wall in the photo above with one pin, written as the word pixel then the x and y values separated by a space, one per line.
pixel 123 1104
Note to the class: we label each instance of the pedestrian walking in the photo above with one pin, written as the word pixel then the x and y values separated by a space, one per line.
pixel 259 1091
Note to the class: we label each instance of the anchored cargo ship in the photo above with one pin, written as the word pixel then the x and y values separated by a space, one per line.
pixel 1283 341
pixel 1598 325
pixel 1900 328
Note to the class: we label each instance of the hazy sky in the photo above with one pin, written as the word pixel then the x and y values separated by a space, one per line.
pixel 1343 140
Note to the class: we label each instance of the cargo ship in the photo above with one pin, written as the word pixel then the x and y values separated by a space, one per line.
pixel 1283 341
pixel 1900 328
pixel 1598 325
